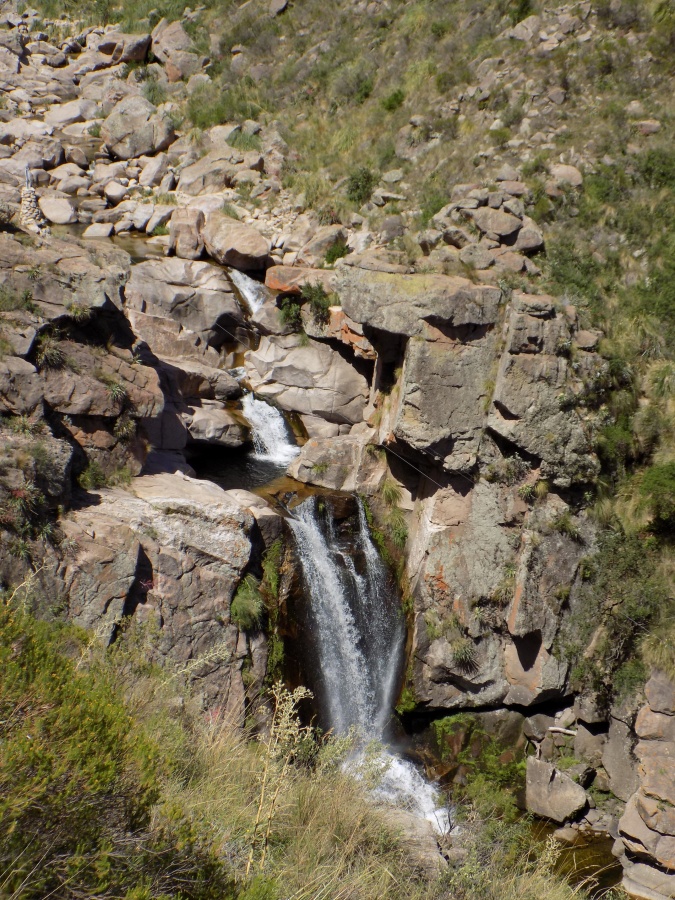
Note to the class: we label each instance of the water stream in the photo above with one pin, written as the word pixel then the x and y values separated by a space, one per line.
pixel 272 438
pixel 253 292
pixel 359 633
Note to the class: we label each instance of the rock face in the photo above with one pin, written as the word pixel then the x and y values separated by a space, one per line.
pixel 647 827
pixel 172 553
pixel 551 793
pixel 175 304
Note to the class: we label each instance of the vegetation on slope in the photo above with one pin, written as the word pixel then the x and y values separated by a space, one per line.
pixel 113 785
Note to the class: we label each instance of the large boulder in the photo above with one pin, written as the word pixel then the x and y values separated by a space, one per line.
pixel 232 243
pixel 551 793
pixel 185 233
pixel 135 128
pixel 194 296
pixel 310 378
pixel 534 374
pixel 403 304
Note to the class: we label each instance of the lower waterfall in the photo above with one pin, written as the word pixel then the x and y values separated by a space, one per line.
pixel 360 634
pixel 272 440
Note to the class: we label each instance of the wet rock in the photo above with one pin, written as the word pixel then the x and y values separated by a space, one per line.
pixel 211 424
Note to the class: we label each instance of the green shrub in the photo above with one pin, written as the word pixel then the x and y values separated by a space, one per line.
pixel 79 780
pixel 49 353
pixel 394 100
pixel 245 142
pixel 209 105
pixel 657 490
pixel 657 168
pixel 95 130
pixel 319 301
pixel 337 251
pixel 10 301
pixel 154 91
pixel 360 185
pixel 291 313
pixel 93 476
pixel 247 606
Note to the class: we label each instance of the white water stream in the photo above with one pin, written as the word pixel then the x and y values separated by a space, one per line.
pixel 360 635
pixel 253 292
pixel 272 441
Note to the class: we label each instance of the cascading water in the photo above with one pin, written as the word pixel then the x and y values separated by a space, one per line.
pixel 271 438
pixel 253 292
pixel 360 634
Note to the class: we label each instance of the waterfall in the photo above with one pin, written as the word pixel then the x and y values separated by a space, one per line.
pixel 272 441
pixel 359 632
pixel 253 292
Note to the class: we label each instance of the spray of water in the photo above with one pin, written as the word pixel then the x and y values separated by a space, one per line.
pixel 360 634
pixel 272 441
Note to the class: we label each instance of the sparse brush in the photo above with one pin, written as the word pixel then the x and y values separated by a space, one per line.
pixel 541 489
pixel 398 529
pixel 464 653
pixel 527 492
pixel 93 476
pixel 390 491
pixel 245 142
pixel 49 353
pixel 291 313
pixel 116 390
pixel 658 649
pixel 125 428
pixel 78 312
pixel 564 524
pixel 319 301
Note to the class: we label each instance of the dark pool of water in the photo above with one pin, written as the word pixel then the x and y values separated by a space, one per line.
pixel 231 469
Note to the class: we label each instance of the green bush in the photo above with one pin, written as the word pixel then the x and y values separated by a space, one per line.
pixel 360 185
pixel 394 100
pixel 93 476
pixel 319 301
pixel 337 251
pixel 657 490
pixel 291 313
pixel 247 606
pixel 209 105
pixel 79 781
pixel 154 91
pixel 657 168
